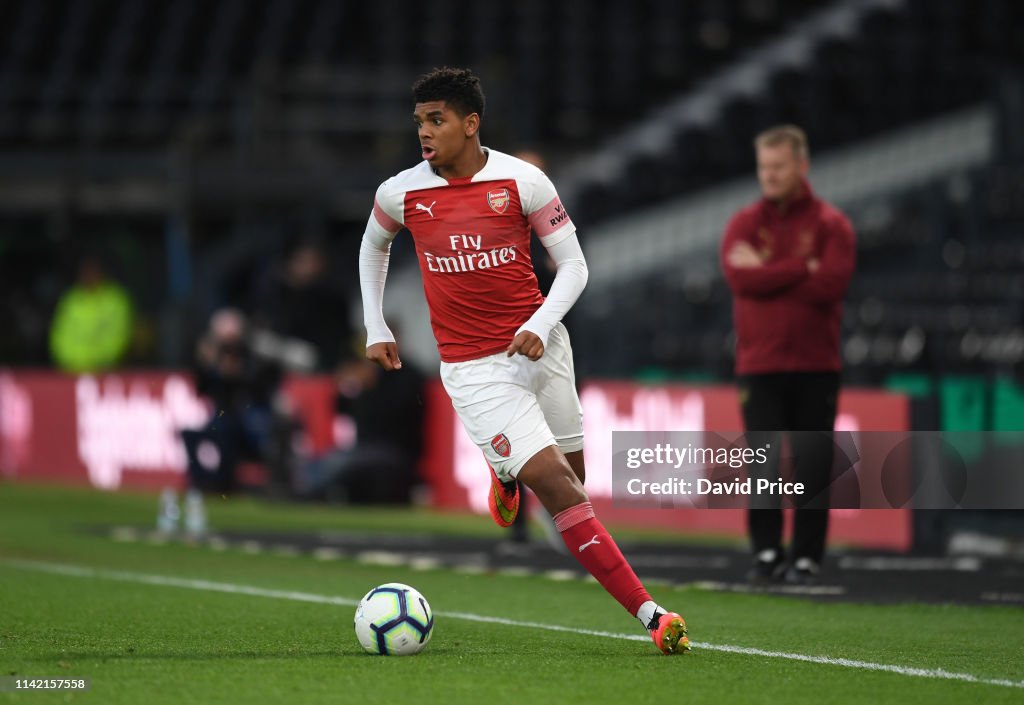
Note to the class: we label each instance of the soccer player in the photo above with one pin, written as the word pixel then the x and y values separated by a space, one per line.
pixel 506 361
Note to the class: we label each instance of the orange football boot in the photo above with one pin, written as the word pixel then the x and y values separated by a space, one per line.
pixel 503 503
pixel 670 634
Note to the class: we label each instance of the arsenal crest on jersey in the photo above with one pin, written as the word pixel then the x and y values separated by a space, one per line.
pixel 498 200
pixel 500 443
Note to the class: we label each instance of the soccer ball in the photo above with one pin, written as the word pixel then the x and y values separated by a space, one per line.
pixel 394 620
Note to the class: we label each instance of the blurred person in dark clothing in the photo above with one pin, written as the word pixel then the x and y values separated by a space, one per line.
pixel 92 326
pixel 788 259
pixel 381 467
pixel 299 316
pixel 242 388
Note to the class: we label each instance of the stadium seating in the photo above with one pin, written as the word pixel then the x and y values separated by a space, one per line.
pixel 842 76
pixel 118 73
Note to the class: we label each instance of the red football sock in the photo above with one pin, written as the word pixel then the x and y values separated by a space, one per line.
pixel 596 551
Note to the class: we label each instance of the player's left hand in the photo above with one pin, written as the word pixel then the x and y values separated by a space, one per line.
pixel 526 343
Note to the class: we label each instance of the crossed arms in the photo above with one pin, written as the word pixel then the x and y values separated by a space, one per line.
pixel 817 277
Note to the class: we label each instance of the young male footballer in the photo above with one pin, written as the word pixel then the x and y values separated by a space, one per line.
pixel 506 361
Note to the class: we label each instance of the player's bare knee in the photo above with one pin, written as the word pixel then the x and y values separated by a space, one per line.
pixel 550 477
pixel 575 460
pixel 560 492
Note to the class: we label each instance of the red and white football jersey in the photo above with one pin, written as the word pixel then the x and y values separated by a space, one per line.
pixel 472 238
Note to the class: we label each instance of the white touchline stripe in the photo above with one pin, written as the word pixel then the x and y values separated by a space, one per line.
pixel 235 589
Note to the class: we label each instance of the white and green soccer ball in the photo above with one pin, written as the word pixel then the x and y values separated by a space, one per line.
pixel 394 620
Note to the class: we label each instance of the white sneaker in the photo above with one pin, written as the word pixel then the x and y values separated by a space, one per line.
pixel 169 516
pixel 195 514
pixel 804 571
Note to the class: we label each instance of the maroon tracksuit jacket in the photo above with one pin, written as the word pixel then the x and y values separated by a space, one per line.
pixel 787 319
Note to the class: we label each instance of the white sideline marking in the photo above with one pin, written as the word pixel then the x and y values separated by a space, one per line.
pixel 252 548
pixel 963 564
pixel 560 575
pixel 1003 596
pixel 125 534
pixel 326 553
pixel 216 543
pixel 813 590
pixel 235 589
pixel 385 558
pixel 424 563
pixel 284 549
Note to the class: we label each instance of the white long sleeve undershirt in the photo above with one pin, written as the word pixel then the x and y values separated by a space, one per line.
pixel 570 279
pixel 374 255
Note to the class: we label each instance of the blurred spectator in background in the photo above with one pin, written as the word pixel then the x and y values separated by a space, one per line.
pixel 92 326
pixel 788 259
pixel 299 316
pixel 242 388
pixel 381 467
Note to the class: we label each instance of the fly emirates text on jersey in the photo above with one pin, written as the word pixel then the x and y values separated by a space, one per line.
pixel 468 256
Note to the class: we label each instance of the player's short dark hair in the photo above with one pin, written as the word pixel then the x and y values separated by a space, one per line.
pixel 459 88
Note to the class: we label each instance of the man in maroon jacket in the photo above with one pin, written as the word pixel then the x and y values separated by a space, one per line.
pixel 788 259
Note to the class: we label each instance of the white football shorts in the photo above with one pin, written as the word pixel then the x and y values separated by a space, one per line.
pixel 513 408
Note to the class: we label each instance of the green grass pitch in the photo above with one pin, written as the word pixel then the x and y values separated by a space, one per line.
pixel 173 623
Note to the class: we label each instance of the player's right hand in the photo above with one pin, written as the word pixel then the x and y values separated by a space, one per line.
pixel 526 343
pixel 385 355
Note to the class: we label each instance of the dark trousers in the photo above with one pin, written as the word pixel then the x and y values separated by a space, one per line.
pixel 803 403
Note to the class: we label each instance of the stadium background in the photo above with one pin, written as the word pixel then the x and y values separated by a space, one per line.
pixel 192 140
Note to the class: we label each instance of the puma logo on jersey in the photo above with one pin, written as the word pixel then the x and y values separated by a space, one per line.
pixel 589 543
pixel 428 209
